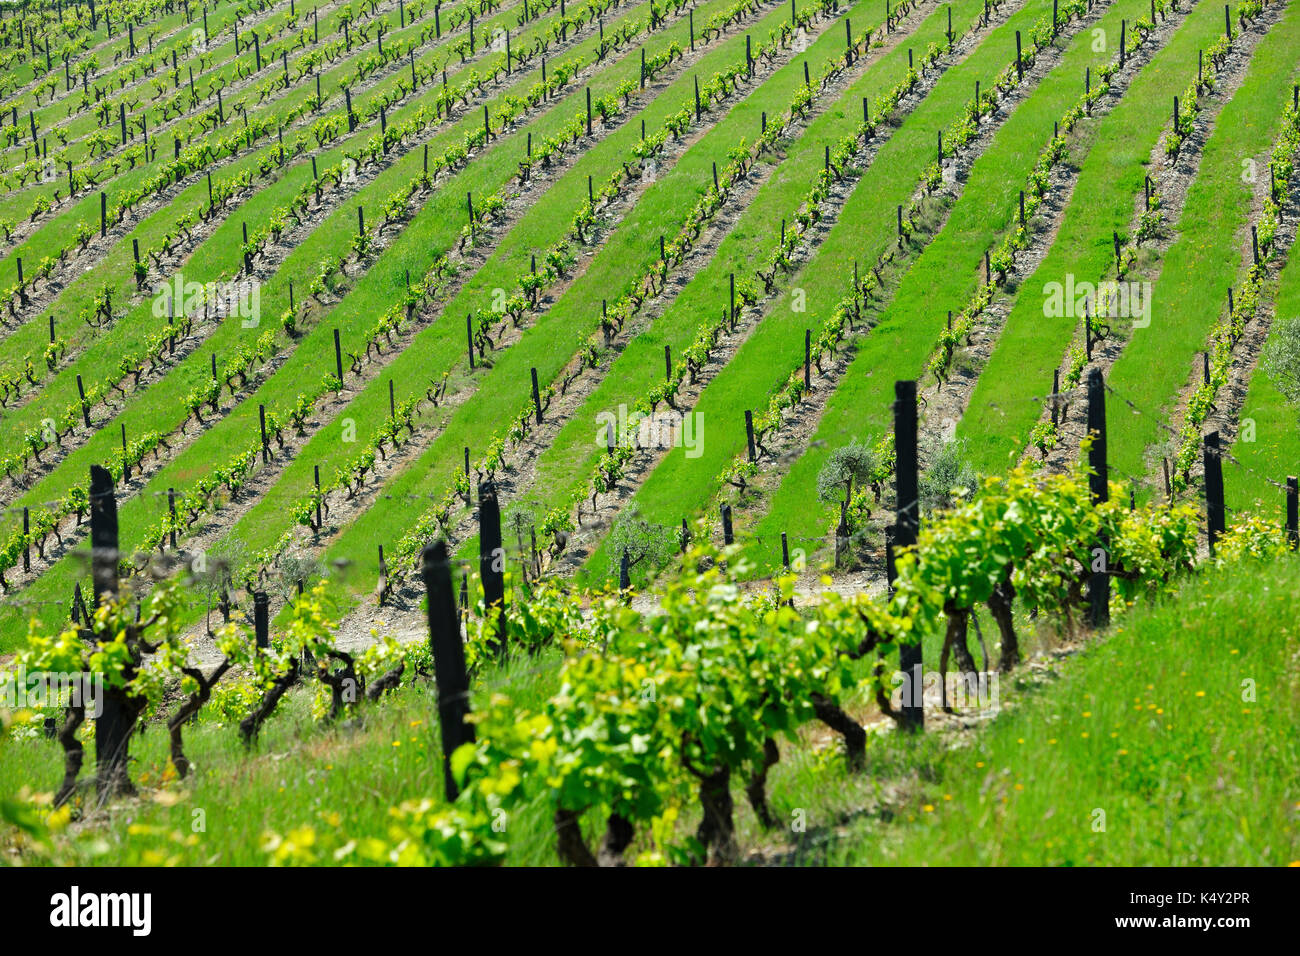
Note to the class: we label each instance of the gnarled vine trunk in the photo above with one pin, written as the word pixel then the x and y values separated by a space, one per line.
pixel 73 753
pixel 834 717
pixel 717 832
pixel 756 789
pixel 1000 607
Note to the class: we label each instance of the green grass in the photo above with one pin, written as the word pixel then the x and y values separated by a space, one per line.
pixel 1177 723
pixel 1153 724
pixel 432 229
pixel 343 779
pixel 1006 401
pixel 1275 451
pixel 55 230
pixel 1191 295
pixel 95 355
pixel 549 344
pixel 440 348
pixel 571 457
pixel 54 115
pixel 942 277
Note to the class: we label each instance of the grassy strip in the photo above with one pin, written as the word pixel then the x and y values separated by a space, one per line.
pixel 85 129
pixel 1275 450
pixel 265 168
pixel 433 229
pixel 626 256
pixel 100 365
pixel 438 351
pixel 1201 264
pixel 899 345
pixel 1006 401
pixel 102 48
pixel 679 478
pixel 1243 309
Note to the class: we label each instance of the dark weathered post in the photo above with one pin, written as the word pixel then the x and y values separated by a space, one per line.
pixel 117 719
pixel 1215 515
pixel 727 536
pixel 749 434
pixel 469 334
pixel 261 619
pixel 906 491
pixel 537 398
pixel 261 418
pixel 491 564
pixel 85 406
pixel 448 660
pixel 1292 525
pixel 807 358
pixel 171 511
pixel 1099 580
pixel 338 357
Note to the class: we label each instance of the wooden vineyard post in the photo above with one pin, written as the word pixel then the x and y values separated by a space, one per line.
pixel 338 357
pixel 624 572
pixel 171 511
pixel 85 406
pixel 266 451
pixel 807 358
pixel 1099 580
pixel 728 537
pixel 1292 500
pixel 749 434
pixel 261 619
pixel 116 720
pixel 908 523
pixel 491 564
pixel 1215 516
pixel 537 398
pixel 448 660
pixel 469 334
pixel 668 363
